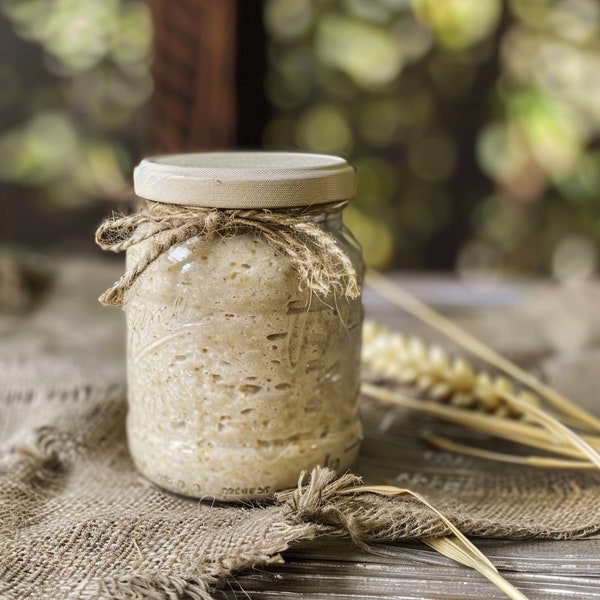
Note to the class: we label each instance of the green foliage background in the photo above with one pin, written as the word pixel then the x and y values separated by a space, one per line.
pixel 474 124
pixel 73 138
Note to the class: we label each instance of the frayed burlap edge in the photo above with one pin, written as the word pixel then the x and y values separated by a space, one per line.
pixel 322 504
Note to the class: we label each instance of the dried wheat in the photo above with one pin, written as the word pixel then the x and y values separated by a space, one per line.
pixel 443 443
pixel 455 546
pixel 503 412
pixel 386 288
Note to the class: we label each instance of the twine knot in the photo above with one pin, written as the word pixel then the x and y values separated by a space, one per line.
pixel 322 265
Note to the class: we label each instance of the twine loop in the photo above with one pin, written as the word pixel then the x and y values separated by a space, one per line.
pixel 322 265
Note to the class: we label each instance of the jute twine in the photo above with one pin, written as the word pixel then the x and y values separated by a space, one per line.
pixel 322 265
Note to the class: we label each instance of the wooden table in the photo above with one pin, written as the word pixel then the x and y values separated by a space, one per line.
pixel 392 453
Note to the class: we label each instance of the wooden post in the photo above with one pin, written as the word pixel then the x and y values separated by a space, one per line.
pixel 194 69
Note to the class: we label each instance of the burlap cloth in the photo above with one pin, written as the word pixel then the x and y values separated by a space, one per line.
pixel 76 520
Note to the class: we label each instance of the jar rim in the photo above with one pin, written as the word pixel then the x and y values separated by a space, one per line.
pixel 246 179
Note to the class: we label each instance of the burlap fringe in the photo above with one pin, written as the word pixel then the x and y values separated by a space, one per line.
pixel 322 266
pixel 343 507
pixel 321 497
pixel 135 587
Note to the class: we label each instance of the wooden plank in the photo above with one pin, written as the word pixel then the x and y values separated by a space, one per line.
pixel 194 69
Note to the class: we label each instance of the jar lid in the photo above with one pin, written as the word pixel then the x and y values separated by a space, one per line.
pixel 244 179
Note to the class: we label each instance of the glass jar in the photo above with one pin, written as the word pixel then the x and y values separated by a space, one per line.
pixel 240 375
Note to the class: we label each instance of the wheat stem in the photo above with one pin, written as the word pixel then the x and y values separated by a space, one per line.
pixel 431 371
pixel 556 427
pixel 386 288
pixel 455 546
pixel 443 443
pixel 513 431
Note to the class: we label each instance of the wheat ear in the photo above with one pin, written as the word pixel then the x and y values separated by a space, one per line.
pixel 431 371
pixel 386 288
pixel 409 361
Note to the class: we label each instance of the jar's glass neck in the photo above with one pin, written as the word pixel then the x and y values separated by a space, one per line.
pixel 329 218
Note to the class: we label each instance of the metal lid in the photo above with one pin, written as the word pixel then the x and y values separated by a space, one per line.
pixel 244 179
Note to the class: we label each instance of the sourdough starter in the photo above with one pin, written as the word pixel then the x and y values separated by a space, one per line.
pixel 238 380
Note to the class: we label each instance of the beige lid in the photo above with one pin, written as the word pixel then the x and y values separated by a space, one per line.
pixel 244 179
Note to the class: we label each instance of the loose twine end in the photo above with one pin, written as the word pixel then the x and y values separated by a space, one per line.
pixel 322 266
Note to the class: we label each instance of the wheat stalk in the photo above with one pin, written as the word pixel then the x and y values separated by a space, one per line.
pixel 443 443
pixel 455 545
pixel 386 288
pixel 508 429
pixel 474 399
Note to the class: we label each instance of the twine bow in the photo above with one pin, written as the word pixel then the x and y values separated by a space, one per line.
pixel 322 266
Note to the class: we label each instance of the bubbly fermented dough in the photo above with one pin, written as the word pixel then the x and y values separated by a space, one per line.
pixel 238 380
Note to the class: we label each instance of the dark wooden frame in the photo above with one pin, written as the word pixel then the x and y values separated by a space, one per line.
pixel 208 72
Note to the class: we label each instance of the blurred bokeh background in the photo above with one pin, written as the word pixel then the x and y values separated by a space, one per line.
pixel 474 125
